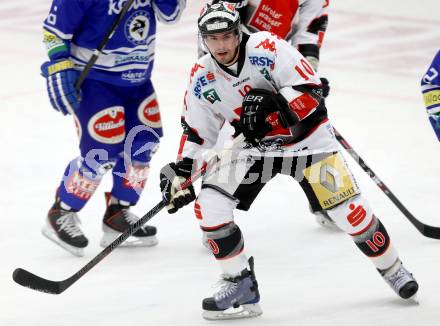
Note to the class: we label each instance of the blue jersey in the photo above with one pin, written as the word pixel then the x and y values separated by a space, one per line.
pixel 431 93
pixel 128 57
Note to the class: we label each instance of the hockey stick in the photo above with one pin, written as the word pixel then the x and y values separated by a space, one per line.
pixel 427 230
pixel 98 51
pixel 35 282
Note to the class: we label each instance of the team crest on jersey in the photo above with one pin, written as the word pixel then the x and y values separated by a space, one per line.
pixel 266 74
pixel 149 113
pixel 137 27
pixel 212 96
pixel 108 125
pixel 267 45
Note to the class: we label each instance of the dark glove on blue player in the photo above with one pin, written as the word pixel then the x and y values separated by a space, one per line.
pixel 60 80
pixel 172 176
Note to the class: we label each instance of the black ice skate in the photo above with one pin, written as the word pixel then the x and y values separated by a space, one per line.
pixel 62 227
pixel 117 219
pixel 401 281
pixel 238 297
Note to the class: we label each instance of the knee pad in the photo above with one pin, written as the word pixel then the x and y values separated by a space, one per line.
pixel 374 241
pixel 353 216
pixel 129 179
pixel 149 112
pixel 213 208
pixel 95 167
pixel 356 218
pixel 141 144
pixel 225 241
pixel 80 181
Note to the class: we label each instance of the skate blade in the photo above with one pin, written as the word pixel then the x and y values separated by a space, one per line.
pixel 109 237
pixel 414 299
pixel 244 311
pixel 48 233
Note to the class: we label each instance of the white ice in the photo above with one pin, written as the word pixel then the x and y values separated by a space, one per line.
pixel 374 55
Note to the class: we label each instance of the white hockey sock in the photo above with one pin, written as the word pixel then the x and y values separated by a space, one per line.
pixel 387 259
pixel 234 265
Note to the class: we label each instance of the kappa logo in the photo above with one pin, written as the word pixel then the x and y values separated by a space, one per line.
pixel 115 6
pixel 194 69
pixel 267 45
pixel 108 125
pixel 212 96
pixel 137 27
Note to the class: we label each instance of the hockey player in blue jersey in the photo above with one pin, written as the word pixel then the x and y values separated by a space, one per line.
pixel 431 93
pixel 116 111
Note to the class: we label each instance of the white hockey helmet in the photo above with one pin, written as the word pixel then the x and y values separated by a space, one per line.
pixel 219 18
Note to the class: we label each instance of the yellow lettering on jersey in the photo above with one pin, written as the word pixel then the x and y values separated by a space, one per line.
pixel 432 98
pixel 62 65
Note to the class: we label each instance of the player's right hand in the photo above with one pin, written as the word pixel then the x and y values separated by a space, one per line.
pixel 60 80
pixel 172 175
pixel 256 107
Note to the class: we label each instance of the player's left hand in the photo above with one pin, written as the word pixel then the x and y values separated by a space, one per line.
pixel 172 175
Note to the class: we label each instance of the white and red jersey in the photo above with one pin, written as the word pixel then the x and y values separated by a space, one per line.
pixel 297 21
pixel 215 93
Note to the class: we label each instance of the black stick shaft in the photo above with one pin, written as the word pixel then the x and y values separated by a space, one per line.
pixel 35 282
pixel 102 45
pixel 427 230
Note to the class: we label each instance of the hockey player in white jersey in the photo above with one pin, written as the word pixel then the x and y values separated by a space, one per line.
pixel 271 94
pixel 302 23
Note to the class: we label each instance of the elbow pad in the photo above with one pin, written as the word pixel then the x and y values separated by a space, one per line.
pixel 300 107
pixel 56 47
